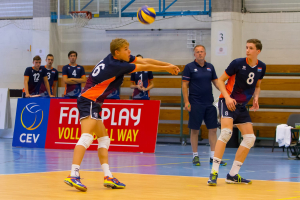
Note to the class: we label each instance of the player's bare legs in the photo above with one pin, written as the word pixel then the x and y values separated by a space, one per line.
pixel 100 131
pixel 87 126
pixel 241 154
pixel 86 139
pixel 194 143
pixel 226 123
pixel 242 151
pixel 103 145
pixel 226 133
pixel 212 138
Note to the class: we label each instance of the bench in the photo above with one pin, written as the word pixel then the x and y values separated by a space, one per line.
pixel 277 86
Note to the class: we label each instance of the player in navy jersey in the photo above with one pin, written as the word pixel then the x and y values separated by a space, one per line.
pixel 141 82
pixel 33 77
pixel 244 77
pixel 114 95
pixel 52 75
pixel 107 75
pixel 199 76
pixel 73 76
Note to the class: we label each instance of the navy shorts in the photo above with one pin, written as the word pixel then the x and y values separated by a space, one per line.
pixel 199 112
pixel 88 108
pixel 239 116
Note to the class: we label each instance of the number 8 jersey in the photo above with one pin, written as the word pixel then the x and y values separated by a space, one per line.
pixel 106 77
pixel 243 78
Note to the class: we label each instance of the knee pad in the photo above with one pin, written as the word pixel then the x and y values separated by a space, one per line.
pixel 248 140
pixel 85 140
pixel 225 135
pixel 103 142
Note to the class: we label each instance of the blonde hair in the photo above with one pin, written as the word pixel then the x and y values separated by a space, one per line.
pixel 116 44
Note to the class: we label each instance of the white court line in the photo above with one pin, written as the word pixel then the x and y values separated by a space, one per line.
pixel 117 145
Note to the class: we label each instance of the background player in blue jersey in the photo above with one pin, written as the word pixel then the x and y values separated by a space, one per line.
pixel 107 75
pixel 52 75
pixel 33 77
pixel 199 75
pixel 114 95
pixel 141 82
pixel 244 77
pixel 73 76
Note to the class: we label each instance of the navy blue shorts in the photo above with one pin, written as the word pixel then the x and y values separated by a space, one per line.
pixel 88 108
pixel 199 112
pixel 239 116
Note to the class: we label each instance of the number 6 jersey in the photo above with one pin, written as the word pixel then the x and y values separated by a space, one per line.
pixel 106 77
pixel 243 78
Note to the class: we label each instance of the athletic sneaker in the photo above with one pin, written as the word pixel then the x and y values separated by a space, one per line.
pixel 196 161
pixel 75 182
pixel 237 179
pixel 222 162
pixel 212 181
pixel 113 183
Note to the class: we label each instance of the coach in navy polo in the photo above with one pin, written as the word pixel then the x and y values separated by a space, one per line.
pixel 198 76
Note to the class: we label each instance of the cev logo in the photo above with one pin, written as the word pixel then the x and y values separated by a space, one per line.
pixel 29 111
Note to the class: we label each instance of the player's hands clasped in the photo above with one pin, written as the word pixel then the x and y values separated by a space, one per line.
pixel 140 87
pixel 230 103
pixel 172 69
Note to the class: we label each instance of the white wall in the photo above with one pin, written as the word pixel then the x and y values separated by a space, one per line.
pixel 165 45
pixel 14 55
pixel 280 40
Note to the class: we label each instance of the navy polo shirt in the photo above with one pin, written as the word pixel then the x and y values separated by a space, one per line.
pixel 200 87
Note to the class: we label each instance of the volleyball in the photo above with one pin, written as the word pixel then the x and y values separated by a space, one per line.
pixel 146 15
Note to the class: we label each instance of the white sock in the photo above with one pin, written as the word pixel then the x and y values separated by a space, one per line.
pixel 216 165
pixel 235 168
pixel 75 170
pixel 105 168
pixel 212 153
pixel 195 154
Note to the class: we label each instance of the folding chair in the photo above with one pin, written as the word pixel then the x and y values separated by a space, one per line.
pixel 294 148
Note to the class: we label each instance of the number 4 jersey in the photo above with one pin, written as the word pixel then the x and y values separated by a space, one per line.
pixel 243 78
pixel 73 90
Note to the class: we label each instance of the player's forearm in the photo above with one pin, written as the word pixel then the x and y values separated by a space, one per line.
pixel 26 87
pixel 54 88
pixel 70 81
pixel 132 86
pixel 150 67
pixel 185 93
pixel 150 86
pixel 222 88
pixel 80 80
pixel 256 92
pixel 155 62
pixel 48 88
pixel 216 84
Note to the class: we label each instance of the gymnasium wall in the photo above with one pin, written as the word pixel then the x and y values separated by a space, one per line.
pixel 280 43
pixel 165 42
pixel 14 55
pixel 280 40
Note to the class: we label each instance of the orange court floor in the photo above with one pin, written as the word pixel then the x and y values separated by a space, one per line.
pixel 27 173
